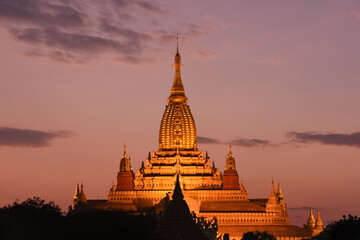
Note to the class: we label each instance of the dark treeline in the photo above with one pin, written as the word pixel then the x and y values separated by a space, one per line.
pixel 347 228
pixel 37 219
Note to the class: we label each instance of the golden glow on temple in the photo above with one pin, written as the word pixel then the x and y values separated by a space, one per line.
pixel 209 193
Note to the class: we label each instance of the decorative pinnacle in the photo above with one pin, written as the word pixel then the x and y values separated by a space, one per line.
pixel 178 195
pixel 124 154
pixel 279 192
pixel 177 43
pixel 177 94
pixel 230 153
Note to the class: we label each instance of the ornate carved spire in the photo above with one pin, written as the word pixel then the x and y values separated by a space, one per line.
pixel 124 154
pixel 82 197
pixel 279 193
pixel 125 165
pixel 311 221
pixel 177 94
pixel 77 191
pixel 273 204
pixel 177 190
pixel 230 161
pixel 272 196
pixel 318 223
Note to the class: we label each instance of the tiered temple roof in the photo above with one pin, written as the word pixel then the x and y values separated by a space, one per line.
pixel 205 191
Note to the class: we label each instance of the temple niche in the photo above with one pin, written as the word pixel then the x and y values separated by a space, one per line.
pixel 208 193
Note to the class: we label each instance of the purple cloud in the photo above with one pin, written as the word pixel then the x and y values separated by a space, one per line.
pixel 337 139
pixel 206 140
pixel 14 137
pixel 238 142
pixel 250 142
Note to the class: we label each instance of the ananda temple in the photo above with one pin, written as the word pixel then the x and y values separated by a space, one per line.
pixel 217 198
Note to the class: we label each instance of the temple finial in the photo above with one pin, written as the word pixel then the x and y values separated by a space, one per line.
pixel 177 195
pixel 177 94
pixel 318 223
pixel 124 154
pixel 279 192
pixel 311 221
pixel 177 43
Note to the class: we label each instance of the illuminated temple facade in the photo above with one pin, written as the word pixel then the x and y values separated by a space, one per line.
pixel 209 193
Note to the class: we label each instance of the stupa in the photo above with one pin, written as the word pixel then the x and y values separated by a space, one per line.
pixel 209 193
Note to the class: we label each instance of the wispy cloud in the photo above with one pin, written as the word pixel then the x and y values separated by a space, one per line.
pixel 337 139
pixel 83 31
pixel 303 208
pixel 14 137
pixel 250 142
pixel 40 12
pixel 238 142
pixel 206 140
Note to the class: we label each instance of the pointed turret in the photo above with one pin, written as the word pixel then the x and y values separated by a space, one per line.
pixel 273 204
pixel 230 161
pixel 318 223
pixel 125 177
pixel 280 197
pixel 79 202
pixel 77 191
pixel 311 221
pixel 279 193
pixel 125 165
pixel 177 94
pixel 272 197
pixel 230 177
pixel 82 197
pixel 178 195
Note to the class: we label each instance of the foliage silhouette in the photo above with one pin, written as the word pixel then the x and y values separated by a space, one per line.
pixel 258 236
pixel 37 219
pixel 344 229
pixel 31 219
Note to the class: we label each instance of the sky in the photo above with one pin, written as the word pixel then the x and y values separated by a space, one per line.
pixel 277 79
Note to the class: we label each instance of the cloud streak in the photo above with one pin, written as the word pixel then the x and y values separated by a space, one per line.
pixel 303 208
pixel 336 139
pixel 14 137
pixel 243 142
pixel 206 140
pixel 250 142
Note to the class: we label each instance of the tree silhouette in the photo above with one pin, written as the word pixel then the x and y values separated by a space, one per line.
pixel 37 219
pixel 344 229
pixel 258 236
pixel 31 219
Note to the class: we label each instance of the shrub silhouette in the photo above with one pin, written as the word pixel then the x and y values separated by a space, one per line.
pixel 37 219
pixel 344 229
pixel 258 236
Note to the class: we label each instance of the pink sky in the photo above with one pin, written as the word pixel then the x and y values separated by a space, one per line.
pixel 86 77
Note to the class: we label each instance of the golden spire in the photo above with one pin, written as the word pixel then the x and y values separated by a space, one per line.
pixel 125 165
pixel 318 223
pixel 177 94
pixel 311 220
pixel 77 191
pixel 272 193
pixel 279 193
pixel 177 195
pixel 230 161
pixel 124 154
